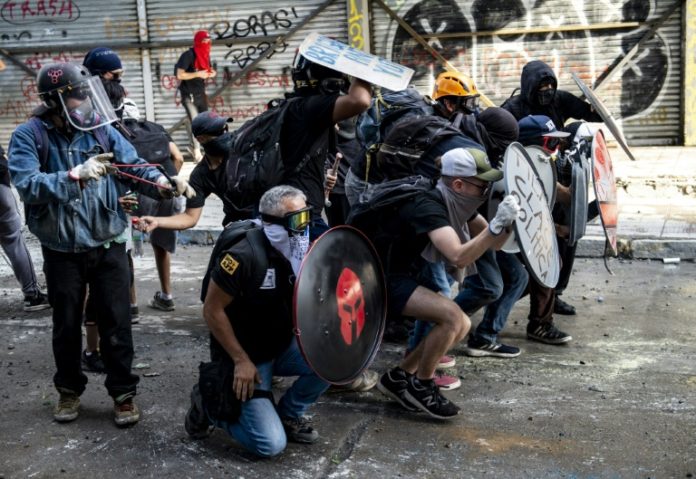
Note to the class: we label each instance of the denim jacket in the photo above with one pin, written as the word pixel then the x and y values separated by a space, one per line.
pixel 63 215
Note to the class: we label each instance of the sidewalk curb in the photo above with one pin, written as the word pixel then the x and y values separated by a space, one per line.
pixel 588 246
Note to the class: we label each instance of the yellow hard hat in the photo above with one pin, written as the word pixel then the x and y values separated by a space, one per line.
pixel 454 84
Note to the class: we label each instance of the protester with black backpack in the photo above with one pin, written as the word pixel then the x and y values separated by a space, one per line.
pixel 154 145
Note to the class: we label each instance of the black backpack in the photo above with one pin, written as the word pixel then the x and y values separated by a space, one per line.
pixel 151 142
pixel 256 163
pixel 387 195
pixel 402 149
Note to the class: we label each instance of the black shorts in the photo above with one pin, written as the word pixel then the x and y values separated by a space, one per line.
pixel 401 287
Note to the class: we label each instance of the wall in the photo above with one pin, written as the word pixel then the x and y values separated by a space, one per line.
pixel 583 36
pixel 646 96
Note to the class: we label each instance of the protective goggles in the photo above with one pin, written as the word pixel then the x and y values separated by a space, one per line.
pixel 295 221
pixel 469 103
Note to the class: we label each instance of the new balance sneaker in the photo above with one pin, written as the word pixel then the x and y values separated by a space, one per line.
pixel 159 302
pixel 37 302
pixel 546 333
pixel 125 412
pixel 299 430
pixel 446 382
pixel 446 362
pixel 478 348
pixel 393 384
pixel 135 314
pixel 425 395
pixel 68 406
pixel 92 362
pixel 561 307
pixel 197 424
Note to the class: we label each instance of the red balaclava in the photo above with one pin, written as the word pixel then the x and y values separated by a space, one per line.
pixel 202 51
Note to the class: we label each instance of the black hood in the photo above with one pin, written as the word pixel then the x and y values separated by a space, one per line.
pixel 532 75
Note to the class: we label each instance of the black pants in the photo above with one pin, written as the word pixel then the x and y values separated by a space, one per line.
pixel 567 254
pixel 106 273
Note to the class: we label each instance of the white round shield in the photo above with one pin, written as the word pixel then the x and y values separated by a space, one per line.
pixel 546 170
pixel 605 188
pixel 534 229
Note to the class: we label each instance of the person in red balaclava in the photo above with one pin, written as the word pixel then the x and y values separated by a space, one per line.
pixel 192 69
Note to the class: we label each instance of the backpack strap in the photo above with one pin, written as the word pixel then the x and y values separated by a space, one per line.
pixel 40 138
pixel 256 238
pixel 102 137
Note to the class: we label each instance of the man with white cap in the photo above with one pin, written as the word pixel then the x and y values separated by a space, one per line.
pixel 443 222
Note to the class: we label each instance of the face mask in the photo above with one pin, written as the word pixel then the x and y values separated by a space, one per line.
pixel 466 205
pixel 293 246
pixel 220 146
pixel 546 97
pixel 115 92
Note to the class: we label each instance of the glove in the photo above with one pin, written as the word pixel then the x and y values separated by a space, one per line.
pixel 507 213
pixel 92 169
pixel 176 187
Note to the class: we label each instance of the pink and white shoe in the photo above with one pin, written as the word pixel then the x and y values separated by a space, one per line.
pixel 446 382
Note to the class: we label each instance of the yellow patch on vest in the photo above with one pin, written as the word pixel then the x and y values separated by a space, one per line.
pixel 229 264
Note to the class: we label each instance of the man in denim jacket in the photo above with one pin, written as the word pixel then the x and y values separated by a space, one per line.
pixel 72 207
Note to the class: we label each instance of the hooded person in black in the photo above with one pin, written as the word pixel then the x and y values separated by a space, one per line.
pixel 540 95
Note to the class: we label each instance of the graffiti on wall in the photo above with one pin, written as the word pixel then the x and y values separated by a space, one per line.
pixel 497 60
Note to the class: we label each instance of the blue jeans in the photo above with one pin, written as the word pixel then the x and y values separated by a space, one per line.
pixel 500 282
pixel 259 428
pixel 438 276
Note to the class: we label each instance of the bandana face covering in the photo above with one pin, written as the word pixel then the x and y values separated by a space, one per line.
pixel 293 247
pixel 202 50
pixel 546 97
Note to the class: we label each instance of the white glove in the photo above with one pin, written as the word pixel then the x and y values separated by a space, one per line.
pixel 177 187
pixel 507 213
pixel 92 169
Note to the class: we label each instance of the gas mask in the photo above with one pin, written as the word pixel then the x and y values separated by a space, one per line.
pixel 86 105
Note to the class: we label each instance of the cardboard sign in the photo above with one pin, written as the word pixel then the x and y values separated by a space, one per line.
pixel 605 188
pixel 604 113
pixel 345 59
pixel 534 228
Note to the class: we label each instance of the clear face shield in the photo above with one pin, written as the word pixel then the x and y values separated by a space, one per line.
pixel 86 105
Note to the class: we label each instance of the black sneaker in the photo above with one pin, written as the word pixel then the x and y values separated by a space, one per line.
pixel 93 362
pixel 561 307
pixel 37 302
pixel 427 397
pixel 546 333
pixel 299 430
pixel 478 348
pixel 134 314
pixel 393 384
pixel 197 424
pixel 158 302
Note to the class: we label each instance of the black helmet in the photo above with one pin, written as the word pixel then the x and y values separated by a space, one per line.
pixel 310 78
pixel 58 78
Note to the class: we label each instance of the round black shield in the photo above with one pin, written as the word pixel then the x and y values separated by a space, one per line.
pixel 340 305
pixel 534 229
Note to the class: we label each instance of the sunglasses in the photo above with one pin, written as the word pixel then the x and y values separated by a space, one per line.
pixel 294 221
pixel 483 189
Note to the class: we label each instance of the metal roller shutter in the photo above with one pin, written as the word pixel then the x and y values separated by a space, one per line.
pixel 245 23
pixel 645 96
pixel 39 32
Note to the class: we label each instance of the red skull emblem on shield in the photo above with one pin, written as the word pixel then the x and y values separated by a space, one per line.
pixel 351 305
